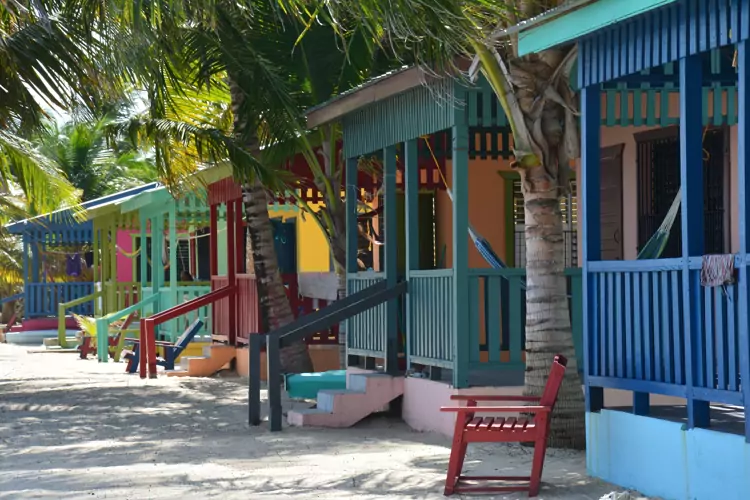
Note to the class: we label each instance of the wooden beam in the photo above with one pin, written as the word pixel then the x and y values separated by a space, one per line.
pixel 590 206
pixel 691 177
pixel 411 181
pixel 743 188
pixel 460 188
pixel 391 257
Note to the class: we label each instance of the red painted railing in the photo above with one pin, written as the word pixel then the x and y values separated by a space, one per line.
pixel 148 326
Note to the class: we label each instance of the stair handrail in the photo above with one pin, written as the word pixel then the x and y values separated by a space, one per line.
pixel 62 339
pixel 102 324
pixel 302 327
pixel 148 325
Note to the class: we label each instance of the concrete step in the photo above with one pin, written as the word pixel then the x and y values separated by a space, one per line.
pixel 366 393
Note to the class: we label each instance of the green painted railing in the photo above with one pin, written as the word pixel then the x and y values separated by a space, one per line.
pixel 168 298
pixel 430 315
pixel 366 332
pixel 103 324
pixel 61 311
pixel 496 330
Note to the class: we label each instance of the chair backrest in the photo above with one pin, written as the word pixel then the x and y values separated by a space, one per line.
pixel 554 381
pixel 187 336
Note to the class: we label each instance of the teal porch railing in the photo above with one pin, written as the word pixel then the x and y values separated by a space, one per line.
pixel 168 298
pixel 368 328
pixel 496 329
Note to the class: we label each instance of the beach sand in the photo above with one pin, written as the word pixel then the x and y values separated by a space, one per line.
pixel 72 428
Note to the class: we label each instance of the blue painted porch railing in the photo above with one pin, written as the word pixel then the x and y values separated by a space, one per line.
pixel 42 299
pixel 366 332
pixel 430 297
pixel 637 340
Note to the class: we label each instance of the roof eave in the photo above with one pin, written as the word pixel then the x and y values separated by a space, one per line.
pixel 389 86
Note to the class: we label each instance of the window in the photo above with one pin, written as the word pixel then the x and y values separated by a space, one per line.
pixel 183 259
pixel 659 181
pixel 569 209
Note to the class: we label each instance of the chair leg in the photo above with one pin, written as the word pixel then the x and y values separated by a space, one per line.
pixel 540 449
pixel 455 464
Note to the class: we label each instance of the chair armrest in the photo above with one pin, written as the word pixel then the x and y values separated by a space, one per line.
pixel 496 409
pixel 469 397
pixel 158 342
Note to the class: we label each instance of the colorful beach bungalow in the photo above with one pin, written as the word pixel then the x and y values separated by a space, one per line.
pixel 677 326
pixel 60 264
pixel 663 343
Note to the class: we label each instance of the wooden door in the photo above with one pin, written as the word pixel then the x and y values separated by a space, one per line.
pixel 611 202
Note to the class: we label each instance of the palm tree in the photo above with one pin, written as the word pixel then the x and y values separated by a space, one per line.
pixel 535 94
pixel 94 162
pixel 45 66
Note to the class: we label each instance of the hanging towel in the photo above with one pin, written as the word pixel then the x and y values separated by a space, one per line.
pixel 73 265
pixel 717 270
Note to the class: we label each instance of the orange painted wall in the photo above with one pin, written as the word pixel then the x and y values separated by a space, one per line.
pixel 487 212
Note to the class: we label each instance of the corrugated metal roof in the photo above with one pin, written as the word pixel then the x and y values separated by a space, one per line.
pixel 66 215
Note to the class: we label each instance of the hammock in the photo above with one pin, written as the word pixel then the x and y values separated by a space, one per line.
pixel 652 250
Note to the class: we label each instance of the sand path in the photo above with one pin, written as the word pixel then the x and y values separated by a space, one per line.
pixel 73 429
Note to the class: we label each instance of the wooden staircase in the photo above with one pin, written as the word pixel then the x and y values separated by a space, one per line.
pixel 215 357
pixel 366 393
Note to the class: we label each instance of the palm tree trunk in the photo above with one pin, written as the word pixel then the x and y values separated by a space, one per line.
pixel 548 329
pixel 274 305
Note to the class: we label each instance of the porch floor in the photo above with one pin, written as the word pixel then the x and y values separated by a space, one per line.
pixel 724 418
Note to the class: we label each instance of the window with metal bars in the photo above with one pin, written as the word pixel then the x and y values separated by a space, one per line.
pixel 183 259
pixel 658 164
pixel 569 209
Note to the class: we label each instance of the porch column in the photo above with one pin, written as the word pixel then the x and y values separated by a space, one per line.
pixel 27 300
pixel 143 255
pixel 213 242
pixel 691 178
pixel 590 207
pixel 231 271
pixel 743 186
pixel 352 234
pixel 411 184
pixel 173 278
pixel 391 255
pixel 460 181
pixel 157 266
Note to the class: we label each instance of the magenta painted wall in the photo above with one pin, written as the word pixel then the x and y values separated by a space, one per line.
pixel 125 264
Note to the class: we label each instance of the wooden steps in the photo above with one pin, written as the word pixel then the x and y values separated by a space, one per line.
pixel 215 357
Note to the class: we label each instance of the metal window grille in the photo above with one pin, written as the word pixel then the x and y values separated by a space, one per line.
pixel 658 160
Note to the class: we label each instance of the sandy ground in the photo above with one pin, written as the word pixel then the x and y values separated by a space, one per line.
pixel 80 429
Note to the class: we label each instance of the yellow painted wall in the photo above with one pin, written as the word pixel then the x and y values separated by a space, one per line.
pixel 313 251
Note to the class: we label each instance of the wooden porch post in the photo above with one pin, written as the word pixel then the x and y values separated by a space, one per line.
pixel 691 178
pixel 157 266
pixel 352 234
pixel 411 181
pixel 743 186
pixel 144 255
pixel 175 299
pixel 213 243
pixel 232 269
pixel 460 180
pixel 391 255
pixel 26 278
pixel 590 231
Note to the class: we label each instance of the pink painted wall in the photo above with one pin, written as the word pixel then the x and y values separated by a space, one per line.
pixel 125 264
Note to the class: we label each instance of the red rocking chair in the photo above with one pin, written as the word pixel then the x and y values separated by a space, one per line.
pixel 472 429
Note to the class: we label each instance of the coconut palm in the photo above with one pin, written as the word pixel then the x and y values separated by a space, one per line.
pixel 45 66
pixel 535 94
